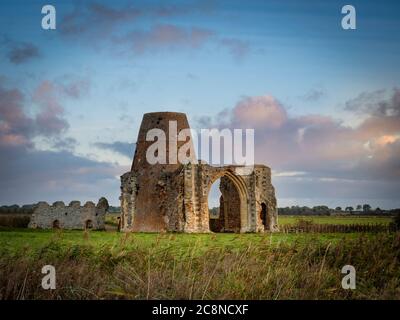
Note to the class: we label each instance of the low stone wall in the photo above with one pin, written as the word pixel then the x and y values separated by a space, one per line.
pixel 73 216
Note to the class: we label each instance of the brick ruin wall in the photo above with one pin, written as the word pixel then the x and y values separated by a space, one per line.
pixel 181 200
pixel 73 216
pixel 174 197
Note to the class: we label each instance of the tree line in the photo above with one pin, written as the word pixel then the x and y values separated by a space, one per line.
pixel 359 209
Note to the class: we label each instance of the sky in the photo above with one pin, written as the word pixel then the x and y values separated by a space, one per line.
pixel 324 101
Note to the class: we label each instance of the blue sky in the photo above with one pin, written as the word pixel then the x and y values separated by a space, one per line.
pixel 107 63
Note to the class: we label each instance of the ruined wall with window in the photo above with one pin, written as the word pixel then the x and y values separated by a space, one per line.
pixel 174 196
pixel 73 216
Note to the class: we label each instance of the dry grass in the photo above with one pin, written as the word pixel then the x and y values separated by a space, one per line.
pixel 260 270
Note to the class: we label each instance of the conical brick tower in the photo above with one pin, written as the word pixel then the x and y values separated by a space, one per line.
pixel 149 213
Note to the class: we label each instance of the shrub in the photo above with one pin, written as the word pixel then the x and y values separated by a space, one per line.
pixel 396 222
pixel 14 220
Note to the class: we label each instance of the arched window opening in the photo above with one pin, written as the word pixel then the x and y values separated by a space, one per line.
pixel 88 224
pixel 264 216
pixel 224 212
pixel 56 224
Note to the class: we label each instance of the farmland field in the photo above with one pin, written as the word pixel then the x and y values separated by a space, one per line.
pixel 29 241
pixel 283 219
pixel 289 219
pixel 108 264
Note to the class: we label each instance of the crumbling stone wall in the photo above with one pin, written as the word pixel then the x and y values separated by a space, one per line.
pixel 73 216
pixel 174 197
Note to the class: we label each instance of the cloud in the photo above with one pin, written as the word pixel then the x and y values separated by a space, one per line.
pixel 49 120
pixel 328 153
pixel 124 148
pixel 171 37
pixel 73 86
pixel 378 103
pixel 99 19
pixel 165 36
pixel 313 95
pixel 96 18
pixel 64 144
pixel 28 175
pixel 15 125
pixel 118 27
pixel 23 53
pixel 19 128
pixel 259 112
pixel 238 48
pixel 18 52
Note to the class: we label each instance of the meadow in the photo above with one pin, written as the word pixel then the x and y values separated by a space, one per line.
pixel 350 219
pixel 112 265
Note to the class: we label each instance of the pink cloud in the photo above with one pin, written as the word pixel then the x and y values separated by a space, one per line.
pixel 15 125
pixel 320 146
pixel 19 128
pixel 259 112
pixel 49 119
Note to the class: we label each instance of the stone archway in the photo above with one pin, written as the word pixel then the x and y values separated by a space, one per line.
pixel 237 193
pixel 228 219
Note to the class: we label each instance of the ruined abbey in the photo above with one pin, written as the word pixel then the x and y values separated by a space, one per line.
pixel 73 216
pixel 173 197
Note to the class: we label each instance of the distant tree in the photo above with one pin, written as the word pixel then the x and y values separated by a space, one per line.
pixel 358 208
pixel 338 208
pixel 366 207
pixel 378 210
pixel 214 212
pixel 321 209
pixel 350 209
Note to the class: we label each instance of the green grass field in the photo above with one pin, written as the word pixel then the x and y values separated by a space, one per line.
pixel 112 265
pixel 29 241
pixel 283 220
pixel 111 219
